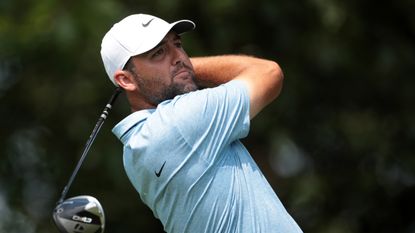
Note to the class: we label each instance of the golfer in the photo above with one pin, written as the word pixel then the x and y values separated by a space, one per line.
pixel 182 149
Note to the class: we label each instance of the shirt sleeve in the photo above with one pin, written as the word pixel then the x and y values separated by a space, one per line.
pixel 213 118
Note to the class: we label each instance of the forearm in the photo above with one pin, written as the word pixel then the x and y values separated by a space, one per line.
pixel 215 70
pixel 263 78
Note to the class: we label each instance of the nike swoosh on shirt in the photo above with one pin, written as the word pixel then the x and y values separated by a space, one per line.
pixel 148 23
pixel 161 169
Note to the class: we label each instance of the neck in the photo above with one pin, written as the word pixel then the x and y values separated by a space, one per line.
pixel 137 102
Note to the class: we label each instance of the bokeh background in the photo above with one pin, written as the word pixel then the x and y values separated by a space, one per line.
pixel 337 146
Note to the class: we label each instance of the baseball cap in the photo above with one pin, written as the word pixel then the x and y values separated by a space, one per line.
pixel 134 35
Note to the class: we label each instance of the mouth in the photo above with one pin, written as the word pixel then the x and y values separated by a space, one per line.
pixel 182 74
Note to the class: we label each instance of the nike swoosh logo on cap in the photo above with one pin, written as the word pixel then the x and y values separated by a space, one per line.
pixel 148 23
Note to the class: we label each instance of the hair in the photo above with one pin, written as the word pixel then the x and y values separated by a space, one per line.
pixel 129 66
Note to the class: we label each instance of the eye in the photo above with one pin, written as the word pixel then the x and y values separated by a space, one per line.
pixel 159 51
pixel 178 44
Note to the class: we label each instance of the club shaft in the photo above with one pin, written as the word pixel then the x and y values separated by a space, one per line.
pixel 90 140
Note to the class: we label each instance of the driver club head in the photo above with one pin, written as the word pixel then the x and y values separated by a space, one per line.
pixel 80 214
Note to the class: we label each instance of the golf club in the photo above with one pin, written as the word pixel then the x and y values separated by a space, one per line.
pixel 83 214
pixel 80 214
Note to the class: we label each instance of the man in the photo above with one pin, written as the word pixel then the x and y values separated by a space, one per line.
pixel 181 145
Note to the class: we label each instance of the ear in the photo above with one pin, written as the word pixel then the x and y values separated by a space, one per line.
pixel 125 80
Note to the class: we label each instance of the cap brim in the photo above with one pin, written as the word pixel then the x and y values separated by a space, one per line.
pixel 183 26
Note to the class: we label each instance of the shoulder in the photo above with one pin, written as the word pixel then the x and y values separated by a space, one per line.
pixel 205 103
pixel 235 90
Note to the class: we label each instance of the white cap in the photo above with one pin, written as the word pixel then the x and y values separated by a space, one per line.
pixel 134 35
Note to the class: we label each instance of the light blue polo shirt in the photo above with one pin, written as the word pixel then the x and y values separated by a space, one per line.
pixel 186 162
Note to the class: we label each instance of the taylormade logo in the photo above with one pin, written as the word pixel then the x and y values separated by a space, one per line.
pixel 82 219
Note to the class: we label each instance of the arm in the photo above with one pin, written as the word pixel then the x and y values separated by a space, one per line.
pixel 263 78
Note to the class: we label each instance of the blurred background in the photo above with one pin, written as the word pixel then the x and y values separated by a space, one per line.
pixel 338 145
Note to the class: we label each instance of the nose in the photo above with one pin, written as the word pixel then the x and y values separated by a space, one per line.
pixel 178 55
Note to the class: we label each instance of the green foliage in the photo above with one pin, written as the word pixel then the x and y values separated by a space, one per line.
pixel 337 146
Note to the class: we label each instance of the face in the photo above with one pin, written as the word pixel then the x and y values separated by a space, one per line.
pixel 163 72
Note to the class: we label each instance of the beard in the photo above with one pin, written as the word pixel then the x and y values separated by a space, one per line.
pixel 156 91
pixel 177 88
